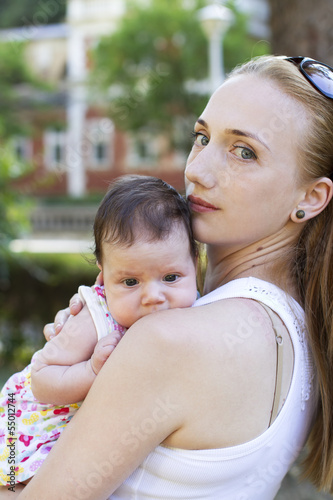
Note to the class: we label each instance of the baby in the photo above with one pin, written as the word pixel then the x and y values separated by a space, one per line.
pixel 147 255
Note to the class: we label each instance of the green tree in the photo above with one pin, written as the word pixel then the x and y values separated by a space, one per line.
pixel 15 13
pixel 12 209
pixel 147 64
pixel 14 74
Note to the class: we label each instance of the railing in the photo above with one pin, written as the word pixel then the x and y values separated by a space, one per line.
pixel 63 219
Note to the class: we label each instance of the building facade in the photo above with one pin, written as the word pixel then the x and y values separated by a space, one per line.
pixel 74 148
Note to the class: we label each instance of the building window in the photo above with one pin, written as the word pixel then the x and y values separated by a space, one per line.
pixel 55 149
pixel 22 147
pixel 100 137
pixel 143 150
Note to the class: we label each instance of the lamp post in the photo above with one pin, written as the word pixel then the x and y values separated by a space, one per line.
pixel 215 20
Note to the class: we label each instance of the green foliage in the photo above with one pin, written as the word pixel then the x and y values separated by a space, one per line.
pixel 149 58
pixel 157 49
pixel 238 45
pixel 40 285
pixel 14 74
pixel 32 12
pixel 13 210
pixel 13 68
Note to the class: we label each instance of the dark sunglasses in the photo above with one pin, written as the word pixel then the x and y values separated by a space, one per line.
pixel 318 74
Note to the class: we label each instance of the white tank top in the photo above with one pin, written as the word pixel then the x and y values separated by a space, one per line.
pixel 250 471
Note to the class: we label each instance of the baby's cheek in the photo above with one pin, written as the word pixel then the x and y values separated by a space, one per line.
pixel 122 312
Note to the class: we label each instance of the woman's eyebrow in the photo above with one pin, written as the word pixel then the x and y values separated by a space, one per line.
pixel 202 122
pixel 246 134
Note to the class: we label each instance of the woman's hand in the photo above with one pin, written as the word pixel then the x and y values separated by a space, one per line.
pixel 52 329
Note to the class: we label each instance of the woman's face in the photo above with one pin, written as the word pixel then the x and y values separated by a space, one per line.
pixel 242 175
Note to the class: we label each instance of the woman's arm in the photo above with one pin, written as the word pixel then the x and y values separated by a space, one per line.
pixel 188 378
pixel 133 405
pixel 61 372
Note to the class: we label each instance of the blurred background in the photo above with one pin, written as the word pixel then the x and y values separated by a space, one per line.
pixel 93 89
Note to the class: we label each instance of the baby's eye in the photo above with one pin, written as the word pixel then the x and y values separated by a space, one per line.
pixel 244 153
pixel 170 278
pixel 200 139
pixel 130 282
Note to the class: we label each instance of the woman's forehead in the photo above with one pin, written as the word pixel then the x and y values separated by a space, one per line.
pixel 256 104
pixel 251 91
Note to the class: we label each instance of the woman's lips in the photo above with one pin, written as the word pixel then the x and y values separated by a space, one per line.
pixel 201 206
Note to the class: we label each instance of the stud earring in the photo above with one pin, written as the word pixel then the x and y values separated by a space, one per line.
pixel 300 214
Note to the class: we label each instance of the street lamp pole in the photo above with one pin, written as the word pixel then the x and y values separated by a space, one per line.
pixel 215 20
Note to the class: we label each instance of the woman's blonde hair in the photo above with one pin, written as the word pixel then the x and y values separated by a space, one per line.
pixel 312 262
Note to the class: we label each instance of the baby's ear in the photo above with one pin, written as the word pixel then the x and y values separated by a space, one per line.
pixel 100 277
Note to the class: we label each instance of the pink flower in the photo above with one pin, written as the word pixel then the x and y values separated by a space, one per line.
pixel 61 411
pixel 100 291
pixel 25 439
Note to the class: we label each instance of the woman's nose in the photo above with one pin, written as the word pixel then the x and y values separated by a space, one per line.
pixel 152 294
pixel 199 170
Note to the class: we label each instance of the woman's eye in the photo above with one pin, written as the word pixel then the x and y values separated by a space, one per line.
pixel 130 282
pixel 170 278
pixel 244 153
pixel 200 139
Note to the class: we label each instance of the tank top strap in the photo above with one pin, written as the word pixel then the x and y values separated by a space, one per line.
pixel 279 361
pixel 285 306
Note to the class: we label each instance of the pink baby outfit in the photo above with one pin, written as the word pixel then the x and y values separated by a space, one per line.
pixel 29 428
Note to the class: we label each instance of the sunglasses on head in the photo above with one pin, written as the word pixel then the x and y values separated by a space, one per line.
pixel 320 75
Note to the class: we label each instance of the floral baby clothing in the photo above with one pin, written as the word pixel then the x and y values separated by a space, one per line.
pixel 28 428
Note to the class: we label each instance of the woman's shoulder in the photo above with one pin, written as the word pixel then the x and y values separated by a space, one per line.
pixel 216 325
pixel 230 314
pixel 219 350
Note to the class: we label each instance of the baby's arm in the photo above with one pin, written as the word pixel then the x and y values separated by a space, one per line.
pixel 62 372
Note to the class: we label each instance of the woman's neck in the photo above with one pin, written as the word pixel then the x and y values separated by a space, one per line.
pixel 267 260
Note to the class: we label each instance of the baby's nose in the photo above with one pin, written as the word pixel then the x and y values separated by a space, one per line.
pixel 152 294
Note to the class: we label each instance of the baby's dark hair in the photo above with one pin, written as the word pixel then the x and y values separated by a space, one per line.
pixel 138 206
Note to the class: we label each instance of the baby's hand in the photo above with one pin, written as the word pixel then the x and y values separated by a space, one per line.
pixel 103 349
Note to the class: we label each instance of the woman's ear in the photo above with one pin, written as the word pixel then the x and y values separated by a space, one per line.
pixel 316 198
pixel 99 266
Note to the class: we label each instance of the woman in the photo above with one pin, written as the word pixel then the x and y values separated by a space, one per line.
pixel 216 401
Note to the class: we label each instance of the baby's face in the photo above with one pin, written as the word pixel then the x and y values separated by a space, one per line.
pixel 148 276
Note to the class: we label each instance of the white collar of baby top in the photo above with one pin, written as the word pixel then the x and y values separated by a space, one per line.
pixel 250 471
